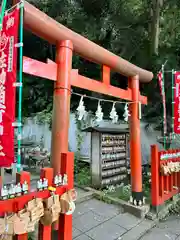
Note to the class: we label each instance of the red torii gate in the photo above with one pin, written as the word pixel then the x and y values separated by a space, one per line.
pixel 65 77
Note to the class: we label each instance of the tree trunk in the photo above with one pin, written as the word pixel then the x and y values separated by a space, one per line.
pixel 156 8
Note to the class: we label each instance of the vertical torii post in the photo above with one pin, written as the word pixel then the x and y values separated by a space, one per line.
pixel 60 120
pixel 135 143
pixel 61 104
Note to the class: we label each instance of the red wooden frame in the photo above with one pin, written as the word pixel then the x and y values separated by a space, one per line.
pixel 64 78
pixel 49 71
pixel 162 187
pixel 18 203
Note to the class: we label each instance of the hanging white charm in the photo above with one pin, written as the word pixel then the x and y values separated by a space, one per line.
pixel 71 208
pixel 126 113
pixel 113 114
pixel 81 109
pixel 99 113
pixel 65 179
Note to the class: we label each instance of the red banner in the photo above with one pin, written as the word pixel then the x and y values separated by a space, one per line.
pixel 177 103
pixel 8 66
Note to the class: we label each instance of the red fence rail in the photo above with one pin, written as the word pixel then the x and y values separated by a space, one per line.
pixel 18 203
pixel 163 186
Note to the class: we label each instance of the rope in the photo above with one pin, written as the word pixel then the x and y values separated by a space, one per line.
pixel 101 99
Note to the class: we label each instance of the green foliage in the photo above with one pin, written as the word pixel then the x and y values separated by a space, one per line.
pixel 175 208
pixel 83 177
pixel 31 236
pixel 122 192
pixel 37 96
pixel 45 117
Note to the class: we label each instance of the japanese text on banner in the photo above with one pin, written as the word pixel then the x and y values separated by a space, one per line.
pixel 8 66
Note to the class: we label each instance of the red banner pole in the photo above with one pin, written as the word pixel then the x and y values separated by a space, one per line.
pixel 155 171
pixel 177 103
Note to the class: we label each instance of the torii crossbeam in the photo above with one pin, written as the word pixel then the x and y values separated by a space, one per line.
pixel 64 77
pixel 49 71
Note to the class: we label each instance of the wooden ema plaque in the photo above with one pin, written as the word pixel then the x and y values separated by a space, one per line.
pixel 113 158
pixel 109 156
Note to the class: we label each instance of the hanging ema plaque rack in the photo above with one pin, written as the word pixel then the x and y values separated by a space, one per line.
pixel 109 153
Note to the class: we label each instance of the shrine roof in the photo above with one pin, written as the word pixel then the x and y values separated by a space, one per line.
pixel 106 127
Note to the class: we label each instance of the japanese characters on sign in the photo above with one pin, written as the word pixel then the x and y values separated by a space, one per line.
pixel 3 66
pixel 177 103
pixel 8 65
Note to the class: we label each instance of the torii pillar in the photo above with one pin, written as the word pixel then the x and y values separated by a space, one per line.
pixel 61 103
pixel 135 143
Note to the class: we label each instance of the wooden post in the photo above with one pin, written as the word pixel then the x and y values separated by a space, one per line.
pixel 61 105
pixel 2 173
pixel 67 167
pixel 45 231
pixel 21 178
pixel 65 221
pixel 155 176
pixel 106 75
pixel 135 143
